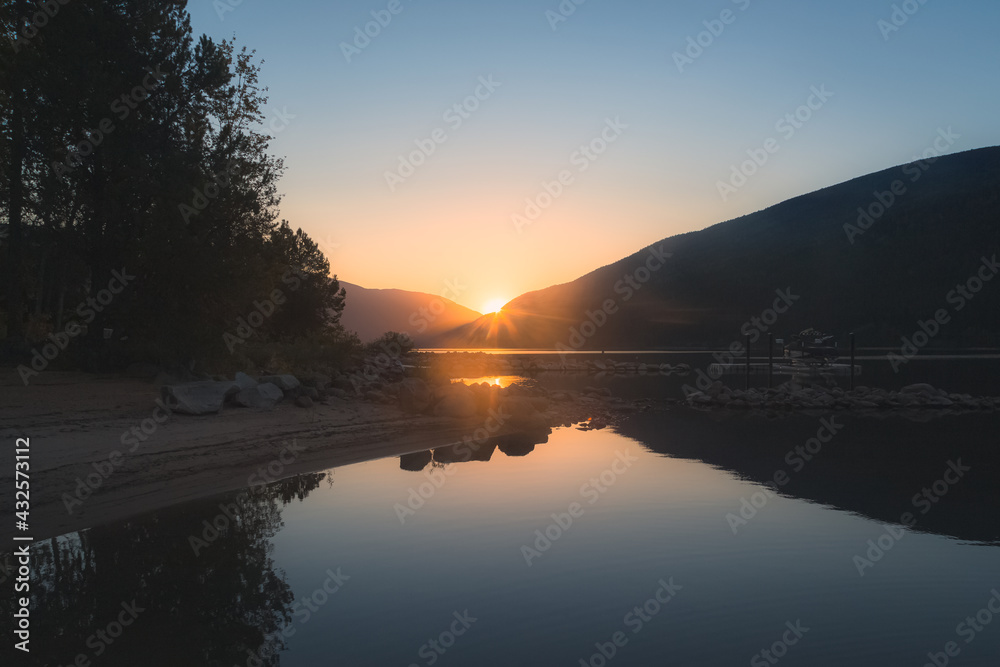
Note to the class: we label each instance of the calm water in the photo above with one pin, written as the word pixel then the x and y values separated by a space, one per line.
pixel 658 502
pixel 969 373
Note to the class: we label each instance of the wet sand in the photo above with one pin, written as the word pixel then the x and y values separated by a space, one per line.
pixel 81 426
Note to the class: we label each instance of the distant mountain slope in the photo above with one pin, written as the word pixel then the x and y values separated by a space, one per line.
pixel 878 281
pixel 372 312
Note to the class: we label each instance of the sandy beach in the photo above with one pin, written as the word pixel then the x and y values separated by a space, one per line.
pixel 88 465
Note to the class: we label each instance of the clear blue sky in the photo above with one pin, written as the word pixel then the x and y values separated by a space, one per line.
pixel 452 219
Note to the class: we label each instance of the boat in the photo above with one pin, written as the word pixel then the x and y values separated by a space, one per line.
pixel 811 347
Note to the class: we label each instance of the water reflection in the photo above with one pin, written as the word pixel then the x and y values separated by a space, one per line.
pixel 512 444
pixel 460 549
pixel 875 467
pixel 880 469
pixel 502 381
pixel 209 608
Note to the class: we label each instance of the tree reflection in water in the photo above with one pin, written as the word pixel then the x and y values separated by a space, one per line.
pixel 214 608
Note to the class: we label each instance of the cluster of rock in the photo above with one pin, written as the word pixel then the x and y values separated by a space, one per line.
pixel 206 397
pixel 479 364
pixel 522 407
pixel 787 397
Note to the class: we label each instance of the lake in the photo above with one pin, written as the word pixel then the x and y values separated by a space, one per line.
pixel 666 541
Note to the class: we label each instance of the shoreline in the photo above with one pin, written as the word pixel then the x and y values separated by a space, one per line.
pixel 76 424
pixel 92 453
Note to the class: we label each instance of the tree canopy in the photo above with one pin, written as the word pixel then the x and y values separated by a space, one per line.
pixel 129 147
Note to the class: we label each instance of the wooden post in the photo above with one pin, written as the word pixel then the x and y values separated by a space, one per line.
pixel 852 362
pixel 747 384
pixel 770 358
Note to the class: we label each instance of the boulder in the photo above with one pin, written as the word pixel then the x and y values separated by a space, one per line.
pixel 245 381
pixel 264 396
pixel 198 398
pixel 414 395
pixel 457 402
pixel 283 382
pixel 415 462
pixel 522 414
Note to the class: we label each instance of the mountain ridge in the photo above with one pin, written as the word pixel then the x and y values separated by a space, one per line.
pixel 704 293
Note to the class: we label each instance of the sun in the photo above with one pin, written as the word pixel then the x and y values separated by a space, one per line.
pixel 493 306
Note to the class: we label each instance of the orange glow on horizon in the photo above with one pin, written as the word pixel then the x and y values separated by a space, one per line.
pixel 493 306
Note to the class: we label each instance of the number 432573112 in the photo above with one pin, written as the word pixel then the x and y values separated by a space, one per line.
pixel 21 470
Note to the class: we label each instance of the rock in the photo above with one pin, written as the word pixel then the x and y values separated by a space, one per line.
pixel 920 388
pixel 414 395
pixel 522 414
pixel 415 462
pixel 311 392
pixel 541 403
pixel 245 381
pixel 316 380
pixel 198 398
pixel 283 382
pixel 375 396
pixel 457 402
pixel 338 393
pixel 263 396
pixel 304 402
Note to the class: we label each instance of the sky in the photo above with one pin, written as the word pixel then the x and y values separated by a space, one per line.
pixel 585 132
